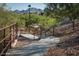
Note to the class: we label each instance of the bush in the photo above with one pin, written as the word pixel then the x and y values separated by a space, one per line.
pixel 8 17
pixel 38 19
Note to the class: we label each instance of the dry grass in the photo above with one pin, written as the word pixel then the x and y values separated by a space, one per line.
pixel 66 48
pixel 62 52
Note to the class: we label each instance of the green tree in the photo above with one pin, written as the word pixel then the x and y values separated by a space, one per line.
pixel 61 10
pixel 6 16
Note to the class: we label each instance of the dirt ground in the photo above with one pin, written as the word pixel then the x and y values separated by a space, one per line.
pixel 67 48
pixel 21 42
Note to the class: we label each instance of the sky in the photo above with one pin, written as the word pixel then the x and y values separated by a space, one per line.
pixel 24 6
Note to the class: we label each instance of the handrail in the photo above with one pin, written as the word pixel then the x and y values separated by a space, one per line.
pixel 13 31
pixel 63 28
pixel 7 26
pixel 5 48
pixel 5 38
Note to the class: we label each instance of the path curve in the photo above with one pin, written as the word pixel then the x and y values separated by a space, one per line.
pixel 33 48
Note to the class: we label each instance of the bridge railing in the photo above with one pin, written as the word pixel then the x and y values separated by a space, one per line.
pixel 8 35
pixel 67 29
pixel 63 29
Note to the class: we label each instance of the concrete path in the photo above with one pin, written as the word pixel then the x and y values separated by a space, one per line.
pixel 34 48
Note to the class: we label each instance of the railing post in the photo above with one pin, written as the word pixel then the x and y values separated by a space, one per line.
pixel 53 31
pixel 40 32
pixel 16 26
pixel 4 37
pixel 29 29
pixel 34 33
pixel 13 33
pixel 10 36
pixel 4 43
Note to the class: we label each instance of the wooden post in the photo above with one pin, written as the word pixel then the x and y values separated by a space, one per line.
pixel 4 53
pixel 34 33
pixel 45 33
pixel 13 37
pixel 16 30
pixel 10 36
pixel 73 24
pixel 40 32
pixel 53 31
pixel 4 37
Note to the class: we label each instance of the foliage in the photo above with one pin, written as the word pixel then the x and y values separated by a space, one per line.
pixel 38 19
pixel 5 16
pixel 58 10
pixel 8 17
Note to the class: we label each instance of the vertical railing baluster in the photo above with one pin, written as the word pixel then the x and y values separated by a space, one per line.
pixel 13 33
pixel 16 30
pixel 53 30
pixel 4 37
pixel 10 36
pixel 4 42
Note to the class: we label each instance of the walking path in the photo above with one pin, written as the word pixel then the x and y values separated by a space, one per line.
pixel 32 48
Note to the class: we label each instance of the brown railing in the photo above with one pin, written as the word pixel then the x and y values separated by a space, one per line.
pixel 7 37
pixel 67 29
pixel 63 29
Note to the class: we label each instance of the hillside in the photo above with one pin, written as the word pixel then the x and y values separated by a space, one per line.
pixel 32 10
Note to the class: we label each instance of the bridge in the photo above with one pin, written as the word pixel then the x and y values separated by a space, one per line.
pixel 34 42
